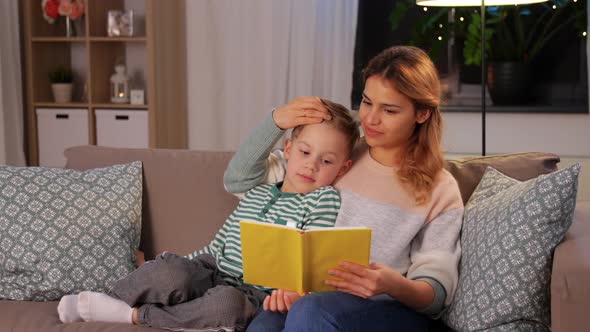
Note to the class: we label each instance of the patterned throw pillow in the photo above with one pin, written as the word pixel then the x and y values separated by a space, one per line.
pixel 63 231
pixel 510 230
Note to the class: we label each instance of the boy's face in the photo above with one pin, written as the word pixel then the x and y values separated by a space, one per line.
pixel 315 158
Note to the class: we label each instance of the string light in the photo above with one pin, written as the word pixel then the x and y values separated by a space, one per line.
pixel 554 7
pixel 439 37
pixel 440 26
pixel 425 9
pixel 461 19
pixel 584 34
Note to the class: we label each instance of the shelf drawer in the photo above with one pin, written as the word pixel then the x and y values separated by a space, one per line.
pixel 122 129
pixel 59 129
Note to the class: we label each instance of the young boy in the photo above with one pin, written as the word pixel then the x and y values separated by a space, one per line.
pixel 205 289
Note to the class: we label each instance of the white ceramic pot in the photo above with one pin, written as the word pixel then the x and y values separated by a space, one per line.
pixel 62 92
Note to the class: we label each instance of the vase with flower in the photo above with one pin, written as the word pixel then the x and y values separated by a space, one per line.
pixel 70 9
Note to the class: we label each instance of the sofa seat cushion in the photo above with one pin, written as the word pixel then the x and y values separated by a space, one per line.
pixel 26 316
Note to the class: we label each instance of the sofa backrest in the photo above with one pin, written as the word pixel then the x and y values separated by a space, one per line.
pixel 520 166
pixel 184 201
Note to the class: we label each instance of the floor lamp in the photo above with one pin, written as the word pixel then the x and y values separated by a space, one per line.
pixel 481 4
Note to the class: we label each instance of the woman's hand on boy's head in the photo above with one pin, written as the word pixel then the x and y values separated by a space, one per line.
pixel 363 281
pixel 280 300
pixel 300 111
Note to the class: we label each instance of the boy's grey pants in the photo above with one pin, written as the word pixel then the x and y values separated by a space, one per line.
pixel 175 292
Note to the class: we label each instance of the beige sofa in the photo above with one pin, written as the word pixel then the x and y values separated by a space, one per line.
pixel 184 203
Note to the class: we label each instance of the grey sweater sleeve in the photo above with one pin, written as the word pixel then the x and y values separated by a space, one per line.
pixel 249 166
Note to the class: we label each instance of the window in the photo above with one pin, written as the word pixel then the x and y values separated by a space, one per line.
pixel 554 78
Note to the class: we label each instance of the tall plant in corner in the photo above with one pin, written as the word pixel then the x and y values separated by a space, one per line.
pixel 519 33
pixel 516 35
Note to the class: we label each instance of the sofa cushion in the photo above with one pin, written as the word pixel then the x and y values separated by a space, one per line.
pixel 29 316
pixel 63 231
pixel 570 289
pixel 520 166
pixel 510 230
pixel 184 202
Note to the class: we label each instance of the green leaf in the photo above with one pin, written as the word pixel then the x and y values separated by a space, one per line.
pixel 398 13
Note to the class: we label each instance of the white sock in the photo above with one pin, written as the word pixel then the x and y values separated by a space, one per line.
pixel 99 307
pixel 68 309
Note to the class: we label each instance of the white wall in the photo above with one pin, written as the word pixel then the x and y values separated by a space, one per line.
pixel 567 135
pixel 562 134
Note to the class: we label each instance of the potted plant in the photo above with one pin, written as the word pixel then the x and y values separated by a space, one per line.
pixel 432 29
pixel 514 36
pixel 61 83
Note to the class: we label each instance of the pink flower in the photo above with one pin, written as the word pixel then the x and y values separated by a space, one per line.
pixel 77 9
pixel 71 8
pixel 50 10
pixel 65 7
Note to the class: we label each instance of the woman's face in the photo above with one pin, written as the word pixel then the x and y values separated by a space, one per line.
pixel 388 118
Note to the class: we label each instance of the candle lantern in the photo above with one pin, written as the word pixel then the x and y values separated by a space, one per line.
pixel 119 86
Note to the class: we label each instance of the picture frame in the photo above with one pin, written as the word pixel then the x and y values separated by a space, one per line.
pixel 120 23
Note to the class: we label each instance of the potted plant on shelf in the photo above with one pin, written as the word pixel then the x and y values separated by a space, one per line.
pixel 61 83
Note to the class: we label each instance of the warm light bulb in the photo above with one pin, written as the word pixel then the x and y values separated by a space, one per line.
pixel 439 37
pixel 425 9
pixel 584 33
pixel 440 26
pixel 461 19
pixel 473 3
pixel 121 94
pixel 554 7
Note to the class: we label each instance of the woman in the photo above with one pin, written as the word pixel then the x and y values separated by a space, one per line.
pixel 397 186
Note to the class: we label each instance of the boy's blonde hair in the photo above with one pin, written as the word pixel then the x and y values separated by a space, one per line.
pixel 341 121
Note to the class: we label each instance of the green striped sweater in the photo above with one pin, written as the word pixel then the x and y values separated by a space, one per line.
pixel 266 203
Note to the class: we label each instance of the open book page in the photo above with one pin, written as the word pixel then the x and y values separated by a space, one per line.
pixel 272 255
pixel 325 247
pixel 277 256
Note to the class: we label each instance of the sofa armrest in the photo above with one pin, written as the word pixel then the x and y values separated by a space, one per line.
pixel 570 279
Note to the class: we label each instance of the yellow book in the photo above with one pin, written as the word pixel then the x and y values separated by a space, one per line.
pixel 278 256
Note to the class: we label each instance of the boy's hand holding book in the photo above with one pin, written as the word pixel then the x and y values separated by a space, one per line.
pixel 280 300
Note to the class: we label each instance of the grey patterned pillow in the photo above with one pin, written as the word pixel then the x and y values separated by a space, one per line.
pixel 510 229
pixel 63 231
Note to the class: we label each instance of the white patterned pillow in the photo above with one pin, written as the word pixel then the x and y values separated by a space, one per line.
pixel 510 229
pixel 63 231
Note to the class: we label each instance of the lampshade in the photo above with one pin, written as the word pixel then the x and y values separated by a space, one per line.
pixel 473 3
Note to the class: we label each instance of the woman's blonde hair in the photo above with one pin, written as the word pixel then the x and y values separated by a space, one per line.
pixel 413 74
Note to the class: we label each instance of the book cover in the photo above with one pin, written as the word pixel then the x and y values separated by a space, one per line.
pixel 278 256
